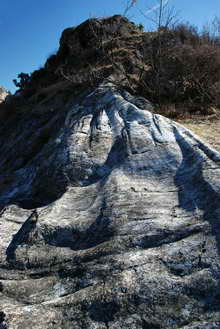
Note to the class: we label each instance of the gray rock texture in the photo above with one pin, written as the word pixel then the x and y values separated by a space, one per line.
pixel 110 218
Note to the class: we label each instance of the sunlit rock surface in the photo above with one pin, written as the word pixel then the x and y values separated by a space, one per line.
pixel 3 94
pixel 110 218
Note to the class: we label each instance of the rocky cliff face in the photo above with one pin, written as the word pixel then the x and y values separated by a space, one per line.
pixel 109 216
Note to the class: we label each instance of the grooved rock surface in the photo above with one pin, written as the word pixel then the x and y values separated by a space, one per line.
pixel 110 218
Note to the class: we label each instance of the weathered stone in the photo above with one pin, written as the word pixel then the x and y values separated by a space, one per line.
pixel 110 219
pixel 3 94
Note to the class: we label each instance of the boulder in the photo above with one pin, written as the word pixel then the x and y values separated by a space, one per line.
pixel 110 218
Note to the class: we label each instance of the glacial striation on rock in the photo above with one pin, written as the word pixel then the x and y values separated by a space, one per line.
pixel 112 223
pixel 109 213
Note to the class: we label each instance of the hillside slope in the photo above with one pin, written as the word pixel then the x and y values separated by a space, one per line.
pixel 176 69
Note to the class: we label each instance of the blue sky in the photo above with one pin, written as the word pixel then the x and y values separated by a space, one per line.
pixel 30 29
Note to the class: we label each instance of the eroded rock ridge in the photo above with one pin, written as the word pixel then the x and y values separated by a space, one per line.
pixel 109 219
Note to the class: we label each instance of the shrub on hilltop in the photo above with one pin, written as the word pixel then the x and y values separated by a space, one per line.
pixel 178 66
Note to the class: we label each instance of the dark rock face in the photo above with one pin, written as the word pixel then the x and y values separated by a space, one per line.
pixel 110 218
pixel 95 50
pixel 92 31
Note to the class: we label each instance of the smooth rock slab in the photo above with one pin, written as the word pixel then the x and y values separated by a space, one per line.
pixel 113 221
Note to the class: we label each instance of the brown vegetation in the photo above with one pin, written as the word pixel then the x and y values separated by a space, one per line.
pixel 177 69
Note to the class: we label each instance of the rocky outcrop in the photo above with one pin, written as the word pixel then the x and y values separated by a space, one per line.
pixel 109 219
pixel 89 54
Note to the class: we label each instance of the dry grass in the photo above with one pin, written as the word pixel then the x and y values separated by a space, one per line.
pixel 208 129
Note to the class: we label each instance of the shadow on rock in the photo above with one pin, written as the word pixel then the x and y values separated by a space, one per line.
pixel 101 311
pixel 25 235
pixel 101 230
pixel 116 156
pixel 2 321
pixel 194 192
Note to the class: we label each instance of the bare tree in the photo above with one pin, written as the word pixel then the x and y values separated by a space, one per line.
pixel 162 17
pixel 129 5
pixel 160 14
pixel 211 32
